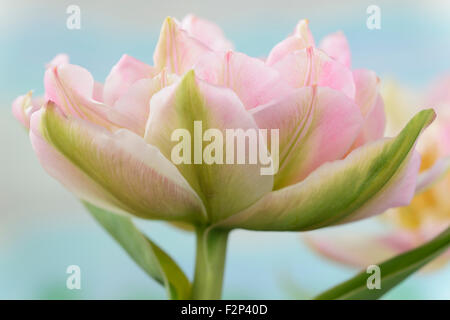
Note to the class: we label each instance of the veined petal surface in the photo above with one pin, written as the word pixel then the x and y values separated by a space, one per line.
pixel 224 188
pixel 370 180
pixel 116 171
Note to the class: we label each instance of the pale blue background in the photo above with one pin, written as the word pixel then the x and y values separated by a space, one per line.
pixel 43 228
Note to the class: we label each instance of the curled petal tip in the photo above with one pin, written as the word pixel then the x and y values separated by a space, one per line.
pixel 177 50
pixel 299 40
pixel 24 106
pixel 337 47
pixel 60 59
pixel 19 107
pixel 431 113
pixel 302 30
pixel 206 32
pixel 302 24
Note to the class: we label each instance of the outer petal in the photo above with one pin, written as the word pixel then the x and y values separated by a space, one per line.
pixel 207 32
pixel 73 77
pixel 126 72
pixel 176 51
pixel 224 188
pixel 58 60
pixel 23 107
pixel 374 125
pixel 72 88
pixel 366 86
pixel 372 107
pixel 315 125
pixel 116 171
pixel 336 46
pixel 97 95
pixel 432 175
pixel 360 249
pixel 253 81
pixel 369 181
pixel 313 67
pixel 301 39
pixel 135 104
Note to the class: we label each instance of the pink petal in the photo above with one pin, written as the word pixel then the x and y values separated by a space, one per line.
pixel 374 125
pixel 19 107
pixel 133 107
pixel 207 32
pixel 177 51
pixel 299 40
pixel 58 60
pixel 366 85
pixel 98 92
pixel 71 88
pixel 316 125
pixel 336 46
pixel 253 81
pixel 311 66
pixel 71 76
pixel 126 72
pixel 371 103
pixel 359 249
pixel 24 106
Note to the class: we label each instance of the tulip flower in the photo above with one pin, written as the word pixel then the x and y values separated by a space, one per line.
pixel 428 214
pixel 111 144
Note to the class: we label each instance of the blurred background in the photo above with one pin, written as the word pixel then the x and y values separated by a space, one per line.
pixel 44 229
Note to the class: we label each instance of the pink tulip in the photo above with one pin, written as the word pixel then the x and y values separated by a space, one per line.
pixel 110 144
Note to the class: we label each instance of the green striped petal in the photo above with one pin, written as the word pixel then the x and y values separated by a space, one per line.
pixel 117 171
pixel 227 187
pixel 370 180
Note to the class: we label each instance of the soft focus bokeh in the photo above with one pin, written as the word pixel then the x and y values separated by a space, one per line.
pixel 44 229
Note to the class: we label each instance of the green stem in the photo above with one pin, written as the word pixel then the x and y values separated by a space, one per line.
pixel 209 263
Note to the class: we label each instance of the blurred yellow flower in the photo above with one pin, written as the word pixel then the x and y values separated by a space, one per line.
pixel 429 212
pixel 430 208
